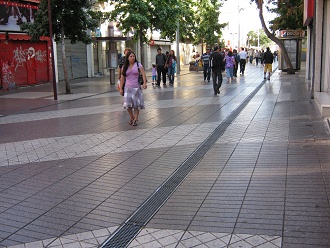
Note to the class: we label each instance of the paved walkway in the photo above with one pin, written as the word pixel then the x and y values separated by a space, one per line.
pixel 248 168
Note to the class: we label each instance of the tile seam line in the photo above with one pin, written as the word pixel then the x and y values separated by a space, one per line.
pixel 61 101
pixel 61 138
pixel 211 140
pixel 74 194
pixel 38 160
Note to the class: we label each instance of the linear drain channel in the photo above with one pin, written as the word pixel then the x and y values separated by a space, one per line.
pixel 128 231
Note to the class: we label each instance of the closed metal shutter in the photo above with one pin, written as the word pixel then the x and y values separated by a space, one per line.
pixel 76 59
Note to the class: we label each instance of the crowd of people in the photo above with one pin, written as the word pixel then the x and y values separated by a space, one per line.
pixel 214 62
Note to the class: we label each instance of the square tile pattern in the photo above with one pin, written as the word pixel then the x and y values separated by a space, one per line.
pixel 71 173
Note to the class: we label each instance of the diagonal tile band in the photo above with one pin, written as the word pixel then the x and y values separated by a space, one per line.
pixel 128 231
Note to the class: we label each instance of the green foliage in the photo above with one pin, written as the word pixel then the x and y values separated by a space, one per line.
pixel 141 16
pixel 208 28
pixel 183 16
pixel 71 18
pixel 263 39
pixel 290 15
pixel 198 20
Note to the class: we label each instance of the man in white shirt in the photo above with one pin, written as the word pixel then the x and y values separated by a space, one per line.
pixel 242 62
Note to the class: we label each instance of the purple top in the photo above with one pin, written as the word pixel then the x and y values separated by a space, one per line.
pixel 132 76
pixel 154 71
pixel 230 61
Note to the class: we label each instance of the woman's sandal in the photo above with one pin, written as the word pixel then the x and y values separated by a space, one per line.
pixel 131 121
pixel 135 122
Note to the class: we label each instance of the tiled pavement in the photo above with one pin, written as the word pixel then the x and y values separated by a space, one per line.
pixel 73 171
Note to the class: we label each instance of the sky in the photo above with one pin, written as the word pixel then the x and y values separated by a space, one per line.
pixel 247 20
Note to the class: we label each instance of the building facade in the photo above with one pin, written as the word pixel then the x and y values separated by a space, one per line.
pixel 317 20
pixel 21 61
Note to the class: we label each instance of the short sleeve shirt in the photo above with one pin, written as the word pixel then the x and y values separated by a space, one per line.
pixel 132 76
pixel 229 61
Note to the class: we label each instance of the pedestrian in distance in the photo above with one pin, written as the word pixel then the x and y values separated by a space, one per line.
pixel 275 55
pixel 206 64
pixel 121 61
pixel 262 56
pixel 268 61
pixel 242 61
pixel 133 96
pixel 236 56
pixel 166 69
pixel 216 61
pixel 170 65
pixel 230 64
pixel 256 56
pixel 161 66
pixel 251 55
pixel 196 57
pixel 153 74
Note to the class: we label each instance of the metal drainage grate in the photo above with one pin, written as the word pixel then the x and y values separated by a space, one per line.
pixel 128 231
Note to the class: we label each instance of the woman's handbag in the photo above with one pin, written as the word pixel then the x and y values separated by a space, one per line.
pixel 140 79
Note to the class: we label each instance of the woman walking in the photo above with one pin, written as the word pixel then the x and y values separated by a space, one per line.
pixel 230 64
pixel 170 64
pixel 130 87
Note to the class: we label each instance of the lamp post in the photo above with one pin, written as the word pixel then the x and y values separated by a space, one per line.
pixel 52 48
pixel 239 26
pixel 258 38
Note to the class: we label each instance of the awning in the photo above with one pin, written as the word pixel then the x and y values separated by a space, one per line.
pixel 4 36
pixel 18 37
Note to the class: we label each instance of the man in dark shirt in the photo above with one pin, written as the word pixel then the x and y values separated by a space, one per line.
pixel 216 60
pixel 268 61
pixel 160 64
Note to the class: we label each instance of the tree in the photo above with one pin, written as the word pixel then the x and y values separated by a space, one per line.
pixel 290 15
pixel 254 39
pixel 184 19
pixel 143 16
pixel 259 3
pixel 263 38
pixel 70 19
pixel 208 29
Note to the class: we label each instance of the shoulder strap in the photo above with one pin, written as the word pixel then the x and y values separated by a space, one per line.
pixel 137 64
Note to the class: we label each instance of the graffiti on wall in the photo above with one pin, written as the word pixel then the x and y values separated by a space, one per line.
pixel 8 76
pixel 19 57
pixel 23 64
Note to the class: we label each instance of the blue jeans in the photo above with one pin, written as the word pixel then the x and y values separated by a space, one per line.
pixel 170 73
pixel 207 72
pixel 229 72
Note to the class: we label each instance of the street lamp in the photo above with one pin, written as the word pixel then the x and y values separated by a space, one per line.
pixel 239 26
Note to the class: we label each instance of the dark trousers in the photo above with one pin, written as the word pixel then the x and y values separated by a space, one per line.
pixel 217 80
pixel 242 63
pixel 235 69
pixel 207 72
pixel 161 71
